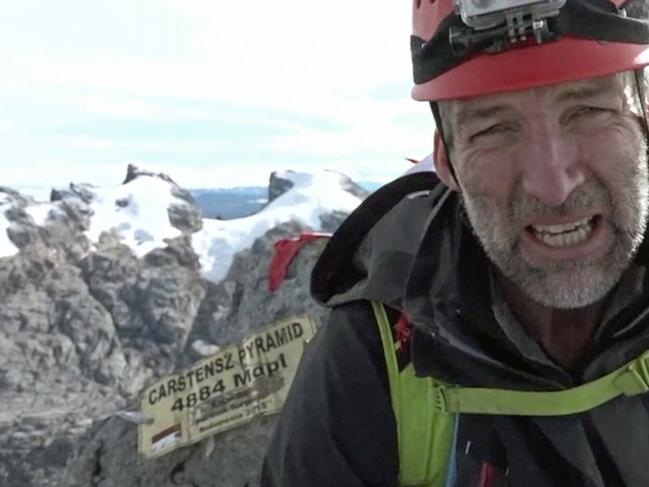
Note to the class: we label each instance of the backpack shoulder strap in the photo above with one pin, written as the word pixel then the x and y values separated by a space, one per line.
pixel 425 433
pixel 629 380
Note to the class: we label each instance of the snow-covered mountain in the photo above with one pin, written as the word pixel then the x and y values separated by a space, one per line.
pixel 309 199
pixel 103 289
pixel 239 202
pixel 134 213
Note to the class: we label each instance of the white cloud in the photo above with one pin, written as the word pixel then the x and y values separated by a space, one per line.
pixel 324 61
pixel 282 53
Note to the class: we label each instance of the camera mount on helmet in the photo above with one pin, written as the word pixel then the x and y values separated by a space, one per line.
pixel 464 48
pixel 495 25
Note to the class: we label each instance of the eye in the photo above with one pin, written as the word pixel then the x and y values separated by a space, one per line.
pixel 587 114
pixel 492 130
pixel 588 110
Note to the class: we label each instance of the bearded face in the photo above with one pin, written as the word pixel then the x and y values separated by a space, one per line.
pixel 555 185
pixel 571 282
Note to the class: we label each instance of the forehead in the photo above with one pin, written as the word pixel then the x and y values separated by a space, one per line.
pixel 618 85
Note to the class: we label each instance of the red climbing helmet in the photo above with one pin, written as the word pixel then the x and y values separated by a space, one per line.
pixel 464 48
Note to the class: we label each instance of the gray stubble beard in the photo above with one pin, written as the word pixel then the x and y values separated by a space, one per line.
pixel 576 283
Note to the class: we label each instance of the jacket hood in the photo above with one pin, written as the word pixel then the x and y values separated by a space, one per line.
pixel 409 246
pixel 370 255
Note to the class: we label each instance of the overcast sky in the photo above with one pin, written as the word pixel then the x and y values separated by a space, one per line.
pixel 216 93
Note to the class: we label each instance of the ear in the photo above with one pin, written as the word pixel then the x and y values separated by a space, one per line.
pixel 442 163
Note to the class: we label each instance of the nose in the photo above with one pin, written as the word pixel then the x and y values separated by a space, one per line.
pixel 552 168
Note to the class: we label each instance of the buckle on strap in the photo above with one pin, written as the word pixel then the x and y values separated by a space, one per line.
pixel 440 400
pixel 634 379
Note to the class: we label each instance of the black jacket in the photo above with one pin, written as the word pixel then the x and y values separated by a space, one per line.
pixel 409 246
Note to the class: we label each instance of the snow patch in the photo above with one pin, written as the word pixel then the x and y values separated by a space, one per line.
pixel 312 196
pixel 40 212
pixel 137 211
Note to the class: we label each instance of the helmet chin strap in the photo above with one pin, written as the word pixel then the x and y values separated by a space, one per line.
pixel 434 106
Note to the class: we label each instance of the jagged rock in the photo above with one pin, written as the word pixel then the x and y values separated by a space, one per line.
pixel 76 314
pixel 62 232
pixel 22 231
pixel 57 349
pixel 228 460
pixel 57 194
pixel 244 291
pixel 132 172
pixel 277 186
pixel 232 309
pixel 110 273
pixel 187 216
pixel 83 327
pixel 169 296
pixel 87 325
pixel 83 192
pixel 351 187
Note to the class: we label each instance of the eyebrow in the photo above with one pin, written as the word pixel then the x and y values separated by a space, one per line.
pixel 593 88
pixel 468 113
pixel 584 91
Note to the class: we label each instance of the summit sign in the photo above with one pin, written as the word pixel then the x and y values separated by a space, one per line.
pixel 225 390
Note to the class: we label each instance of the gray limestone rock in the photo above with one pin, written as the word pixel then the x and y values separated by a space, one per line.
pixel 83 327
pixel 87 325
pixel 244 291
pixel 230 310
pixel 277 186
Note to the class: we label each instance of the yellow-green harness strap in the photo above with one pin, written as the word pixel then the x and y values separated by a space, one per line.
pixel 426 409
pixel 629 380
pixel 424 433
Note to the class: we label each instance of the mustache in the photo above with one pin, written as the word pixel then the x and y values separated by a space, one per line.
pixel 590 196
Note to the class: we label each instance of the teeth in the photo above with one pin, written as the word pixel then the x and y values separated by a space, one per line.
pixel 566 238
pixel 560 228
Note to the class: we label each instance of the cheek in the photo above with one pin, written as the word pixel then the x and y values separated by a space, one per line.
pixel 490 174
pixel 616 158
pixel 489 184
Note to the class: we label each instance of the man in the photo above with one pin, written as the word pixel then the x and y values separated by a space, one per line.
pixel 521 271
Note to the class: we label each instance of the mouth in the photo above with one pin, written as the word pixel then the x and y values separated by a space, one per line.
pixel 567 234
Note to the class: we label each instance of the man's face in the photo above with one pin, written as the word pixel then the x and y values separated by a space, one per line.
pixel 555 184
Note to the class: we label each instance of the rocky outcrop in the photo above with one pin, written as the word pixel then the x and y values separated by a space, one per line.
pixel 83 327
pixel 351 187
pixel 185 215
pixel 240 303
pixel 277 186
pixel 231 310
pixel 62 234
pixel 87 325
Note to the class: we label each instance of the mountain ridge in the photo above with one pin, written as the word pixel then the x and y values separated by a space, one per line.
pixel 103 291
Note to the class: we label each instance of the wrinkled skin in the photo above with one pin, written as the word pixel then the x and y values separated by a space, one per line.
pixel 554 181
pixel 550 156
